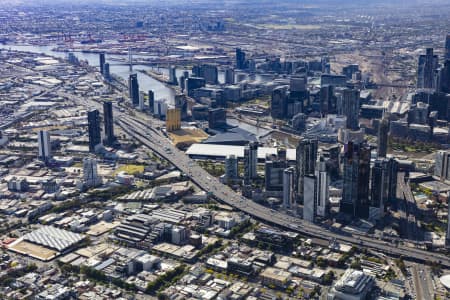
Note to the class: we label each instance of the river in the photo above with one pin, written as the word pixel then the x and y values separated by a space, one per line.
pixel 145 82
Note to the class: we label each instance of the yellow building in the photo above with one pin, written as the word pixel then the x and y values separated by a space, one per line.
pixel 173 119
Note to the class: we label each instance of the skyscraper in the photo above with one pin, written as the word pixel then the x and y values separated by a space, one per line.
pixel 427 65
pixel 109 123
pixel 322 195
pixel 133 89
pixel 349 107
pixel 250 162
pixel 442 164
pixel 207 71
pixel 383 131
pixel 141 101
pixel 231 168
pixel 392 173
pixel 273 170
pixel 444 78
pixel 355 193
pixel 278 104
pixel 306 156
pixel 229 76
pixel 309 205
pixel 447 47
pixel 217 118
pixel 379 190
pixel 182 104
pixel 298 94
pixel 173 75
pixel 288 188
pixel 151 101
pixel 106 73
pixel 241 63
pixel 94 130
pixel 90 173
pixel 102 62
pixel 327 100
pixel 173 119
pixel 44 145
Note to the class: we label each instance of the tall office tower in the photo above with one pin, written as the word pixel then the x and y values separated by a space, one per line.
pixel 306 156
pixel 160 109
pixel 217 118
pixel 207 71
pixel 250 162
pixel 447 237
pixel 442 165
pixel 447 47
pixel 151 101
pixel 173 75
pixel 379 187
pixel 325 62
pixel 173 119
pixel 383 182
pixel 102 62
pixel 240 59
pixel 428 63
pixel 444 78
pixel 349 107
pixel 90 173
pixel 109 123
pixel 182 104
pixel 322 194
pixel 383 131
pixel 288 188
pixel 229 76
pixel 231 167
pixel 392 173
pixel 298 93
pixel 141 101
pixel 273 170
pixel 106 72
pixel 193 83
pixel 327 100
pixel 94 130
pixel 133 89
pixel 45 151
pixel 309 193
pixel 278 104
pixel 356 170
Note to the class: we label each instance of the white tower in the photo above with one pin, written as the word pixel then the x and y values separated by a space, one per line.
pixel 44 145
pixel 90 175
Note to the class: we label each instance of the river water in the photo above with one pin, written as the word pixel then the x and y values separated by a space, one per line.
pixel 145 82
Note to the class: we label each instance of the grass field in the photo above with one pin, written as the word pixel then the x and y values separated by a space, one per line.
pixel 130 169
pixel 188 136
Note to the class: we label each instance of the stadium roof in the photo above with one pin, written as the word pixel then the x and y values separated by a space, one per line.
pixel 222 151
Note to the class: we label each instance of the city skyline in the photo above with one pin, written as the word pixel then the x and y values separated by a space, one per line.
pixel 230 149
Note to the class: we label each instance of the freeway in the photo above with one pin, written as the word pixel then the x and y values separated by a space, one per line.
pixel 151 138
pixel 408 210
